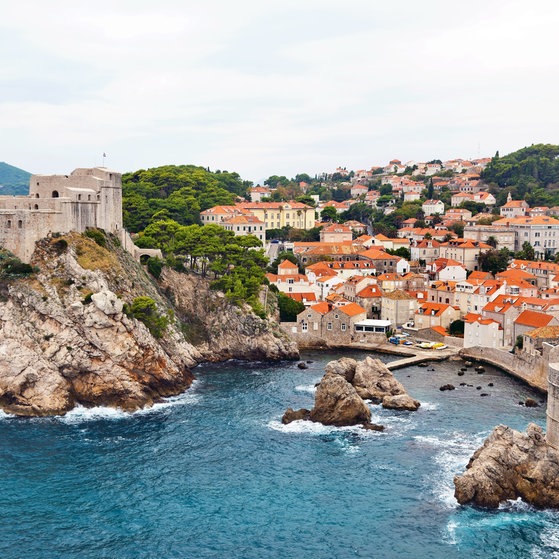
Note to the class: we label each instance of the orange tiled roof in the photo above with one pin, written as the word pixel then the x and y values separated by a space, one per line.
pixel 352 309
pixel 533 319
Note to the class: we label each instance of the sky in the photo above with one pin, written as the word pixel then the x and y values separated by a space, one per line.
pixel 273 88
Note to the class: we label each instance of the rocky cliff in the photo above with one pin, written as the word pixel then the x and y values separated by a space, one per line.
pixel 510 465
pixel 66 340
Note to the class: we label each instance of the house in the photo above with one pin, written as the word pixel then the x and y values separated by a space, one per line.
pixel 464 251
pixel 384 262
pixel 433 207
pixel 514 208
pixel 335 233
pixel 482 332
pixel 530 320
pixel 542 232
pixel 258 192
pixel 358 190
pixel 370 298
pixel 245 225
pixel 315 251
pixel 425 250
pixel 281 214
pixel 429 315
pixel 533 340
pixel 398 307
pixel 329 324
pixel 504 309
pixel 502 237
pixel 447 269
pixel 289 280
pixel 472 294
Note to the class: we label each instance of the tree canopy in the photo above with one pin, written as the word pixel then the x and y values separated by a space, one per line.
pixel 182 191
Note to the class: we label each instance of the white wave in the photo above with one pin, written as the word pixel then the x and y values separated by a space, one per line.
pixel 310 427
pixel 80 413
pixel 451 457
pixel 4 415
pixel 428 406
pixel 311 388
pixel 550 543
pixel 450 536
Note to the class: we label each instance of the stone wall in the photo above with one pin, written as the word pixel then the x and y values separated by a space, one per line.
pixel 310 339
pixel 532 369
pixel 552 434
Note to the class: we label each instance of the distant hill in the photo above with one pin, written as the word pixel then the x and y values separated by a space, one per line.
pixel 13 180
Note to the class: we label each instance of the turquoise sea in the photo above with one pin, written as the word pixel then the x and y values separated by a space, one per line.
pixel 214 473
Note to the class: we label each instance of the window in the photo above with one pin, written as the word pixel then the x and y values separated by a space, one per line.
pixel 19 224
pixel 329 326
pixel 304 326
pixel 55 194
pixel 343 327
pixel 9 224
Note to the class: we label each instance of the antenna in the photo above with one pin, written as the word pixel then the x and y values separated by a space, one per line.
pixel 104 155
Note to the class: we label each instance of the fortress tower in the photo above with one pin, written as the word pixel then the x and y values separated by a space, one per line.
pixel 59 204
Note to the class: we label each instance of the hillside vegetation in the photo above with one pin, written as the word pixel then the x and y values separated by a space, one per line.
pixel 531 173
pixel 13 181
pixel 178 192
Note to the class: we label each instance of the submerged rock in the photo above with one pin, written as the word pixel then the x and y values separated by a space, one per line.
pixel 295 415
pixel 400 402
pixel 509 465
pixel 446 387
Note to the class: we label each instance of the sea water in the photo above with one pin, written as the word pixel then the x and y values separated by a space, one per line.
pixel 214 473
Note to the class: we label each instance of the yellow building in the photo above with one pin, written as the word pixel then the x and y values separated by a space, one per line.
pixel 281 214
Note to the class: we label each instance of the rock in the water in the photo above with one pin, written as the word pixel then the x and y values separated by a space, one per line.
pixel 400 402
pixel 372 427
pixel 460 373
pixel 373 380
pixel 295 415
pixel 510 465
pixel 302 365
pixel 445 387
pixel 530 403
pixel 344 367
pixel 337 403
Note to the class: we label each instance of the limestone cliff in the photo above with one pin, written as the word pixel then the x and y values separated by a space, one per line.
pixel 65 340
pixel 509 465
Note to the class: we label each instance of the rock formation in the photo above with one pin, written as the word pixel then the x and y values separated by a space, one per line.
pixel 509 465
pixel 65 340
pixel 338 403
pixel 341 394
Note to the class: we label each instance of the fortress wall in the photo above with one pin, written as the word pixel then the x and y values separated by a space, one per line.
pixel 20 229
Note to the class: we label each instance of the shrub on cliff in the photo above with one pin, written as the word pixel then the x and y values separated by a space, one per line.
pixel 144 309
pixel 97 235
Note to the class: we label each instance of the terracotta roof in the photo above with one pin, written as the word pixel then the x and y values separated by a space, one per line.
pixel 399 294
pixel 352 309
pixel 473 317
pixel 301 297
pixel 370 292
pixel 432 309
pixel 533 319
pixel 545 332
pixel 287 264
pixel 321 308
pixel 378 254
pixel 440 330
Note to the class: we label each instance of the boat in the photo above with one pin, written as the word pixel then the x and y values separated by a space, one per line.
pixel 442 347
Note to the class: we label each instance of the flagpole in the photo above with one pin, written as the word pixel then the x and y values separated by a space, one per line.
pixel 104 155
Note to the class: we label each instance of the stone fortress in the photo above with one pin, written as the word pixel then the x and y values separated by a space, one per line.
pixel 86 198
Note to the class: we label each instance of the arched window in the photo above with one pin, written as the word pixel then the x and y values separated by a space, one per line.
pixel 36 206
pixel 9 224
pixel 37 195
pixel 20 224
pixel 55 194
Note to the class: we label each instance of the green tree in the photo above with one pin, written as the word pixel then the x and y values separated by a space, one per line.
pixel 527 252
pixel 289 308
pixel 329 213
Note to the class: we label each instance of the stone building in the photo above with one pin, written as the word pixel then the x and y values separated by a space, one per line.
pixel 59 204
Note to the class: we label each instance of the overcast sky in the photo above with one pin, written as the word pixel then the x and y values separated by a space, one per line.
pixel 274 87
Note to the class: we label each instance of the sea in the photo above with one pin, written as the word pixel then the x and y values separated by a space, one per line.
pixel 214 473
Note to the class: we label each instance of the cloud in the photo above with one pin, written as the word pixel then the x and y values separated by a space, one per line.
pixel 273 88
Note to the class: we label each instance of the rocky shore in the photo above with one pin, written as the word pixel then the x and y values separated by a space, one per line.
pixel 509 465
pixel 341 395
pixel 66 340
